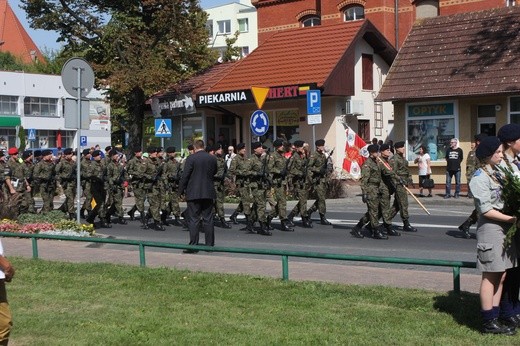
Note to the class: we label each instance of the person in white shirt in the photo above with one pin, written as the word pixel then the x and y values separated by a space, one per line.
pixel 6 275
pixel 230 155
pixel 423 162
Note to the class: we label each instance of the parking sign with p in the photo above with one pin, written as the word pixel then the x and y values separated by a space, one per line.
pixel 313 102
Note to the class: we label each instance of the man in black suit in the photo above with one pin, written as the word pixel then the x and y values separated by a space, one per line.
pixel 197 185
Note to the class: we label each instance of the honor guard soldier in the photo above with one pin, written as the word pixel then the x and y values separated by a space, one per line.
pixel 298 173
pixel 259 183
pixel 85 182
pixel 386 189
pixel 220 187
pixel 151 172
pixel 66 174
pixel 44 173
pixel 171 176
pixel 116 176
pixel 27 157
pixel 16 180
pixel 402 178
pixel 136 182
pixel 278 167
pixel 318 168
pixel 240 169
pixel 98 187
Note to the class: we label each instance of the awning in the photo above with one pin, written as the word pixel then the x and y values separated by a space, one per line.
pixel 10 121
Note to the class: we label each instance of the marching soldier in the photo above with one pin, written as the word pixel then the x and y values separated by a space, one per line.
pixel 259 184
pixel 151 172
pixel 66 174
pixel 386 189
pixel 240 169
pixel 402 178
pixel 44 173
pixel 97 175
pixel 85 182
pixel 278 167
pixel 172 175
pixel 16 181
pixel 298 173
pixel 220 188
pixel 116 176
pixel 27 157
pixel 137 182
pixel 318 167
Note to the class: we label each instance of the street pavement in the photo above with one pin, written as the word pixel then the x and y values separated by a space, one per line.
pixel 264 266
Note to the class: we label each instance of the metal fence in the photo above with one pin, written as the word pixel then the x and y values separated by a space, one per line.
pixel 284 254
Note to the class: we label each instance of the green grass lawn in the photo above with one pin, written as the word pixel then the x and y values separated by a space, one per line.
pixel 57 303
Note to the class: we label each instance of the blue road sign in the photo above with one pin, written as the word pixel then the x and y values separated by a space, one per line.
pixel 163 127
pixel 313 101
pixel 32 135
pixel 259 123
pixel 83 141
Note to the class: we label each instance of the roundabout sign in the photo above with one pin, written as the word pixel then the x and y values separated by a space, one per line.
pixel 259 123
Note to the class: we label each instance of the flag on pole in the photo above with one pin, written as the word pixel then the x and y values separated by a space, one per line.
pixel 355 153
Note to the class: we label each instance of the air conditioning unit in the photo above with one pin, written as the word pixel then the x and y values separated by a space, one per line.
pixel 355 107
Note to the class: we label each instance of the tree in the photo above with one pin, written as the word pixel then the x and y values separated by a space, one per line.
pixel 232 53
pixel 136 47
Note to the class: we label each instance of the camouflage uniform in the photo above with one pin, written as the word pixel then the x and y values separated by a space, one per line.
pixel 258 185
pixel 370 181
pixel 278 170
pixel 44 173
pixel 66 175
pixel 386 189
pixel 116 176
pixel 318 168
pixel 171 177
pixel 29 195
pixel 402 178
pixel 137 184
pixel 220 189
pixel 149 170
pixel 16 174
pixel 98 186
pixel 240 169
pixel 85 184
pixel 298 173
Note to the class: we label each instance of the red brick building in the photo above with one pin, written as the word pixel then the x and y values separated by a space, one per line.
pixel 393 18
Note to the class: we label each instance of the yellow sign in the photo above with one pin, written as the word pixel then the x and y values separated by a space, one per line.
pixel 260 95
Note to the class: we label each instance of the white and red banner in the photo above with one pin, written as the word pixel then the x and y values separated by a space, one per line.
pixel 355 153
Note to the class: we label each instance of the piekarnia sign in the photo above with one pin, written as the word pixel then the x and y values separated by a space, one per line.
pixel 246 96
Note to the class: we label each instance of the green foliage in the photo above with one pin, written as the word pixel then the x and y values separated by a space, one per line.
pixel 103 304
pixel 9 62
pixel 232 53
pixel 50 217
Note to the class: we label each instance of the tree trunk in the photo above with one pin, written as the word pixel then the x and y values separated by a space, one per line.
pixel 136 110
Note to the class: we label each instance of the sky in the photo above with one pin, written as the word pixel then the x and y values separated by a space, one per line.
pixel 46 40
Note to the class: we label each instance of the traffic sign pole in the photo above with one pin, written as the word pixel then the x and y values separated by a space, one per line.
pixel 78 151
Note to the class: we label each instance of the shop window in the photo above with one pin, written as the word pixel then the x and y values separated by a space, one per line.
pixel 355 12
pixel 426 8
pixel 367 62
pixel 40 106
pixel 9 105
pixel 311 21
pixel 7 138
pixel 224 26
pixel 431 126
pixel 514 109
pixel 243 25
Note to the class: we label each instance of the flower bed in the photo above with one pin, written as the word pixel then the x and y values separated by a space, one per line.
pixel 53 223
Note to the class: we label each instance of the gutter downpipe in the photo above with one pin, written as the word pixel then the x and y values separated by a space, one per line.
pixel 396 10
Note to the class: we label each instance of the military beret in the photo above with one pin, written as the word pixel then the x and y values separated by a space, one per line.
pixel 479 137
pixel 67 151
pixel 170 150
pixel 509 132
pixel 86 152
pixel 487 147
pixel 158 149
pixel 256 145
pixel 373 148
pixel 240 146
pixel 96 153
pixel 37 153
pixel 150 150
pixel 216 147
pixel 398 145
pixel 278 143
pixel 384 147
pixel 320 142
pixel 137 150
pixel 112 152
pixel 12 151
pixel 108 148
pixel 46 152
pixel 299 143
pixel 208 148
pixel 26 154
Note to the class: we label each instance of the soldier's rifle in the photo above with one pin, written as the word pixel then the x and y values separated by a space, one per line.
pixel 387 167
pixel 158 173
pixel 265 179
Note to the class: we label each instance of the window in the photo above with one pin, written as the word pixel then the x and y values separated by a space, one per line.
pixel 510 3
pixel 46 139
pixel 364 130
pixel 311 21
pixel 7 138
pixel 431 126
pixel 209 27
pixel 224 26
pixel 426 9
pixel 243 25
pixel 367 62
pixel 514 108
pixel 9 105
pixel 355 12
pixel 245 51
pixel 40 106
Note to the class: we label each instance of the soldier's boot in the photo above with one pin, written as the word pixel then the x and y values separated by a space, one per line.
pixel 233 218
pixel 356 231
pixel 144 220
pixel 263 230
pixel 131 212
pixel 286 227
pixel 121 220
pixel 63 208
pixel 306 221
pixel 164 216
pixel 249 225
pixel 90 217
pixel 311 210
pixel 223 223
pixel 82 213
pixel 157 226
pixel 465 228
pixel 268 223
pixel 407 227
pixel 72 216
pixel 178 220
pixel 378 234
pixel 390 230
pixel 290 218
pixel 324 221
pixel 105 223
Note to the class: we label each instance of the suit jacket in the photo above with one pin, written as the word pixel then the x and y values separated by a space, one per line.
pixel 197 177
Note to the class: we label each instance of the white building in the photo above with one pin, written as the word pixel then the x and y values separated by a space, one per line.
pixel 36 101
pixel 224 21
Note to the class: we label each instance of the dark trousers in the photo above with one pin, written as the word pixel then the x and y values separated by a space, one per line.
pixel 201 210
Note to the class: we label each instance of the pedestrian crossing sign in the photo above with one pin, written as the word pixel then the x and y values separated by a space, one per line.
pixel 163 127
